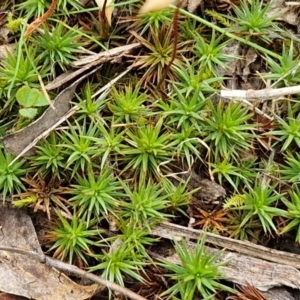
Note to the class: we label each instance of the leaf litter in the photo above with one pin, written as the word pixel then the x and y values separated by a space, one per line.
pixel 21 142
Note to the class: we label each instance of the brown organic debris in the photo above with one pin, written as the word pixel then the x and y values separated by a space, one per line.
pixel 24 276
pixel 209 220
pixel 247 292
pixel 46 193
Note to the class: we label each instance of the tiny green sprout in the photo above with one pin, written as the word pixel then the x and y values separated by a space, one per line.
pixel 235 201
pixel 57 46
pixel 154 20
pixel 217 16
pixel 210 53
pixel 251 231
pixel 288 132
pixel 251 19
pixel 128 104
pixel 73 240
pixel 260 201
pixel 118 262
pixel 17 71
pixel 14 24
pixel 293 213
pixel 227 130
pixel 39 7
pixel 48 158
pixel 146 149
pixel 198 275
pixel 226 170
pixel 284 71
pixel 30 98
pixel 25 201
pixel 96 195
pixel 290 171
pixel 146 205
pixel 10 175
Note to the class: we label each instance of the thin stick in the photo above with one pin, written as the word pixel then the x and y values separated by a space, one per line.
pixel 260 95
pixel 62 266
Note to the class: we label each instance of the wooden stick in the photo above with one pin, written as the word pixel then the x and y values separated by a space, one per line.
pixel 62 266
pixel 264 94
pixel 171 231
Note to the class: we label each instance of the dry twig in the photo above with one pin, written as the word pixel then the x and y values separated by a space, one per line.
pixel 71 269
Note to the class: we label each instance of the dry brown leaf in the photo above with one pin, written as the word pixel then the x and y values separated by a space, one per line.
pixel 23 276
